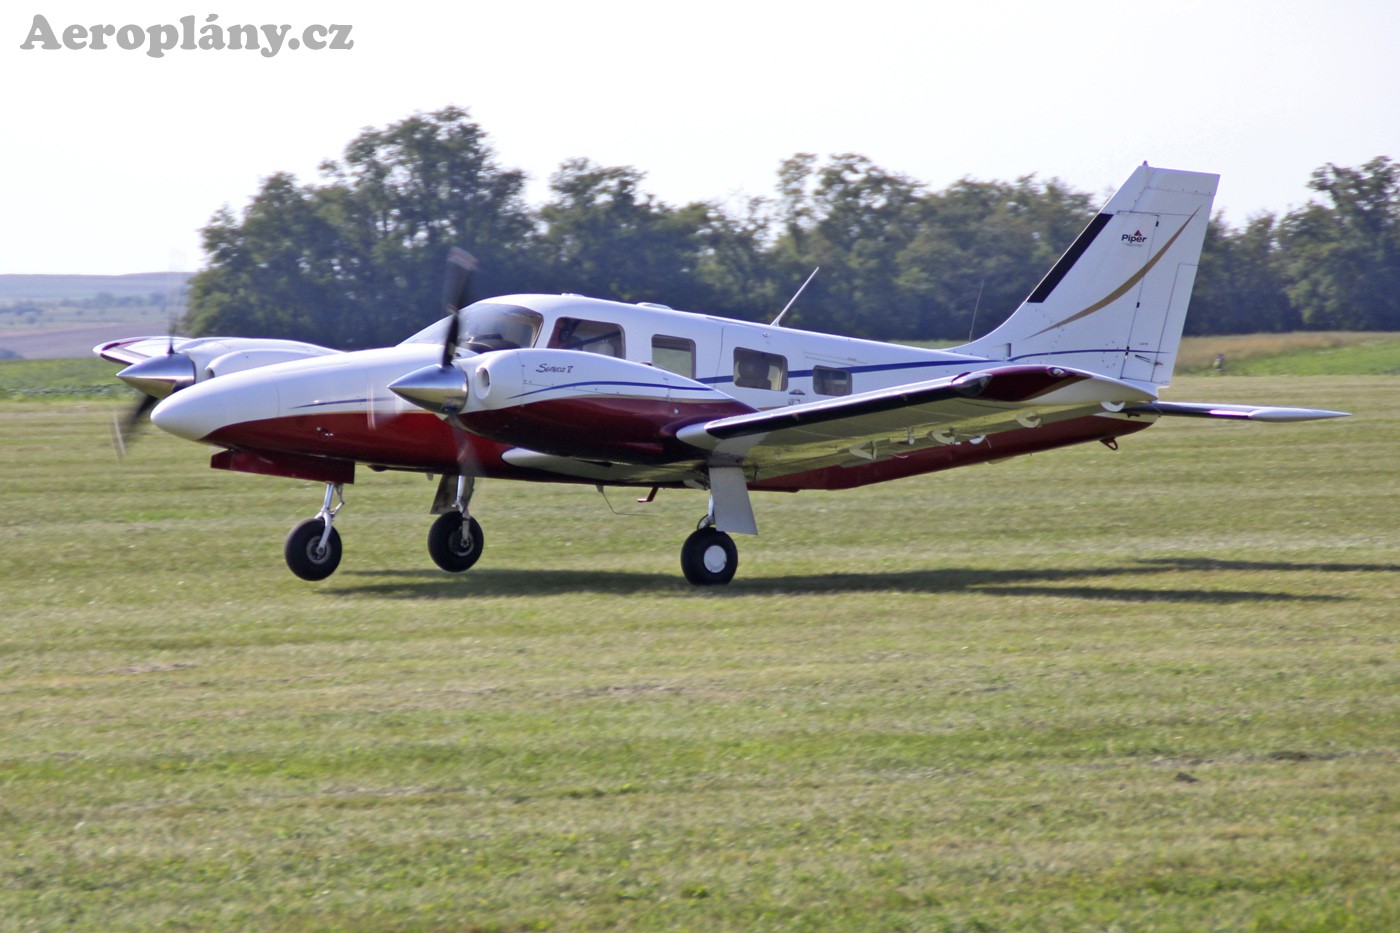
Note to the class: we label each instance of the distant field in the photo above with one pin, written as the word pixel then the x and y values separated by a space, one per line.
pixel 59 287
pixel 1151 689
pixel 57 316
pixel 1320 353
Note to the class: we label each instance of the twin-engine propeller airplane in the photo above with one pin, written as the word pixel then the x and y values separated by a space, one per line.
pixel 562 388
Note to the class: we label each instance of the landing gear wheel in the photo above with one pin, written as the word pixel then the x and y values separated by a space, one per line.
pixel 709 558
pixel 305 555
pixel 454 543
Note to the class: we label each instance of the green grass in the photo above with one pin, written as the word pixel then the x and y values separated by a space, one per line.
pixel 1306 353
pixel 1152 689
pixel 60 379
pixel 1379 358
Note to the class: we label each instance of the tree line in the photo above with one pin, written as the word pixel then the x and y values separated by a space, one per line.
pixel 355 259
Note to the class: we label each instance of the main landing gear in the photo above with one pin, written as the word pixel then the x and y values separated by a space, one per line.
pixel 313 547
pixel 709 556
pixel 455 540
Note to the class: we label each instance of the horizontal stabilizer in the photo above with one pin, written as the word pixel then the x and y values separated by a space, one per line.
pixel 1232 412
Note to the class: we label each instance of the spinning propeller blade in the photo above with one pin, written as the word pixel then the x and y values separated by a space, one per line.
pixel 156 377
pixel 456 294
pixel 130 425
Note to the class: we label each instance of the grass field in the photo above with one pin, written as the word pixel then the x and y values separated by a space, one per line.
pixel 1308 353
pixel 1151 689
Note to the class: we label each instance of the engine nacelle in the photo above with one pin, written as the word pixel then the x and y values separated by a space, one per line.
pixel 578 404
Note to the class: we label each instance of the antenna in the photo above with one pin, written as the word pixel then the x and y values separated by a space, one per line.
pixel 972 328
pixel 777 321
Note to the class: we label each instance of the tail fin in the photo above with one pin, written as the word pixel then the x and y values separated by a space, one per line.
pixel 1115 302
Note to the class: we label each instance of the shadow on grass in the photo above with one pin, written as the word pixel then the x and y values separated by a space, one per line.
pixel 1206 564
pixel 1096 583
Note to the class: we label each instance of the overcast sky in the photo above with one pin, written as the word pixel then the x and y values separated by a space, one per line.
pixel 113 159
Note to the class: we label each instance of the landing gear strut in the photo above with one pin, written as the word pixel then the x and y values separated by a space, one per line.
pixel 455 540
pixel 313 547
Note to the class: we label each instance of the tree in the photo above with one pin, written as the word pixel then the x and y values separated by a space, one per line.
pixel 981 248
pixel 1240 286
pixel 853 219
pixel 357 261
pixel 410 192
pixel 1343 261
pixel 603 236
pixel 356 258
pixel 272 272
pixel 736 264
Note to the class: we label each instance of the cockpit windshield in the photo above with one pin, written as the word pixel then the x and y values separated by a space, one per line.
pixel 487 326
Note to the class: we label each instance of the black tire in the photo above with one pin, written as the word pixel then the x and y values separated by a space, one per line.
pixel 305 556
pixel 451 548
pixel 709 558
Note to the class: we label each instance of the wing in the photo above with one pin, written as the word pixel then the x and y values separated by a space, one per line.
pixel 1231 412
pixel 204 350
pixel 131 350
pixel 876 424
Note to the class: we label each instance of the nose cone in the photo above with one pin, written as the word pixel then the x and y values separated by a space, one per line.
pixel 441 389
pixel 219 404
pixel 158 376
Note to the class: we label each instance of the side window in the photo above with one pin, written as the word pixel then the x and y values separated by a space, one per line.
pixel 674 354
pixel 599 337
pixel 754 369
pixel 828 381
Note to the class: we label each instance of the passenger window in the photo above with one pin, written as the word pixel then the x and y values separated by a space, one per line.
pixel 674 354
pixel 828 381
pixel 754 369
pixel 598 337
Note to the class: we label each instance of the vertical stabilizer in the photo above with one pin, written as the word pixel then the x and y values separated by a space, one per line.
pixel 1115 302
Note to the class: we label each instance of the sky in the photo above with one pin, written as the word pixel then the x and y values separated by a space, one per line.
pixel 113 159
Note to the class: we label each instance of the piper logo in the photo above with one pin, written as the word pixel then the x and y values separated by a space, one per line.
pixel 1136 238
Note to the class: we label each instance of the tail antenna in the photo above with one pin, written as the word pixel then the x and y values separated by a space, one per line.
pixel 777 321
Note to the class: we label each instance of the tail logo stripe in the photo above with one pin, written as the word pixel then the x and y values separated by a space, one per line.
pixel 1127 286
pixel 1067 261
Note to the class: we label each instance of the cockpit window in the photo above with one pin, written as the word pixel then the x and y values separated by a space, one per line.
pixel 601 337
pixel 487 326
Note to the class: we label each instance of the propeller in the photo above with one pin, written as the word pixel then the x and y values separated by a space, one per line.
pixel 441 381
pixel 128 426
pixel 456 294
pixel 155 377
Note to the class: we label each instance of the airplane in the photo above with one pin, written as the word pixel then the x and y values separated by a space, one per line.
pixel 572 389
